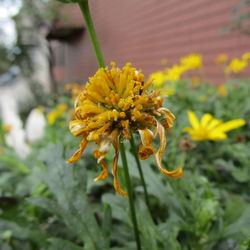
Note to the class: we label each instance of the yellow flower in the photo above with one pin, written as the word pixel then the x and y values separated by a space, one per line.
pixel 164 62
pixel 246 56
pixel 196 81
pixel 192 61
pixel 222 91
pixel 115 103
pixel 56 113
pixel 175 72
pixel 202 98
pixel 221 59
pixel 209 128
pixel 158 78
pixel 75 89
pixel 236 65
pixel 7 128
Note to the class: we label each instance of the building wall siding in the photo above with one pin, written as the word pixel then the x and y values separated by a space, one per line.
pixel 146 31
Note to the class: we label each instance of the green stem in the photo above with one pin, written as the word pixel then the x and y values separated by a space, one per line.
pixel 138 163
pixel 84 5
pixel 130 195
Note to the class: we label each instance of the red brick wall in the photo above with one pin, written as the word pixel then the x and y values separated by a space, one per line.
pixel 146 31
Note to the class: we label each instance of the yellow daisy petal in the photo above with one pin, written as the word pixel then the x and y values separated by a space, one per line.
pixel 193 119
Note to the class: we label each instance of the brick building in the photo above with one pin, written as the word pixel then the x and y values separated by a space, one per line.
pixel 144 32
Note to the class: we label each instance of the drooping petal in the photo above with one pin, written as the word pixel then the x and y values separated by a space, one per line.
pixel 145 152
pixel 158 156
pixel 77 127
pixel 76 156
pixel 226 126
pixel 146 149
pixel 104 174
pixel 115 170
pixel 193 119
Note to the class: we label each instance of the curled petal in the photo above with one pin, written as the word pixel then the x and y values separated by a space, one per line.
pixel 104 174
pixel 77 127
pixel 115 170
pixel 145 152
pixel 76 156
pixel 146 149
pixel 147 136
pixel 158 156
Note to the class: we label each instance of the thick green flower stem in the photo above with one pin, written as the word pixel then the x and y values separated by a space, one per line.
pixel 138 163
pixel 84 5
pixel 130 195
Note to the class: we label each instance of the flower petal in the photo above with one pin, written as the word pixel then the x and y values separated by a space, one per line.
pixel 213 123
pixel 206 119
pixel 146 149
pixel 77 127
pixel 226 126
pixel 145 152
pixel 158 156
pixel 104 174
pixel 115 170
pixel 76 156
pixel 193 119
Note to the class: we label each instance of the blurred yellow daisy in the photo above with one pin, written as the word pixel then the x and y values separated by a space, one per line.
pixel 210 128
pixel 221 59
pixel 236 65
pixel 56 113
pixel 192 61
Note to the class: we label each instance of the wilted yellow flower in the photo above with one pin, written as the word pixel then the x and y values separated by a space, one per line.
pixel 192 61
pixel 56 113
pixel 221 59
pixel 236 65
pixel 222 91
pixel 115 103
pixel 209 128
pixel 246 56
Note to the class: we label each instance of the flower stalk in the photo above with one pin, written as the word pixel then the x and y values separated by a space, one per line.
pixel 138 163
pixel 130 195
pixel 84 5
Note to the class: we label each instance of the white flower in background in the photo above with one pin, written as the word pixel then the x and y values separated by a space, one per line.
pixel 35 125
pixel 15 137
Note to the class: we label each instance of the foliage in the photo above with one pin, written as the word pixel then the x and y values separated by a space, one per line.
pixel 48 204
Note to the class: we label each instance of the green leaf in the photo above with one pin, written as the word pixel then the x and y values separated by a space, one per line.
pixel 241 175
pixel 59 244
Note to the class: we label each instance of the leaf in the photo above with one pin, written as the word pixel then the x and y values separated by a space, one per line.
pixel 59 244
pixel 241 175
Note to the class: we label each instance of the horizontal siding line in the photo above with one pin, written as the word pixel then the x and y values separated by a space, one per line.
pixel 180 13
pixel 162 25
pixel 180 44
pixel 161 54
